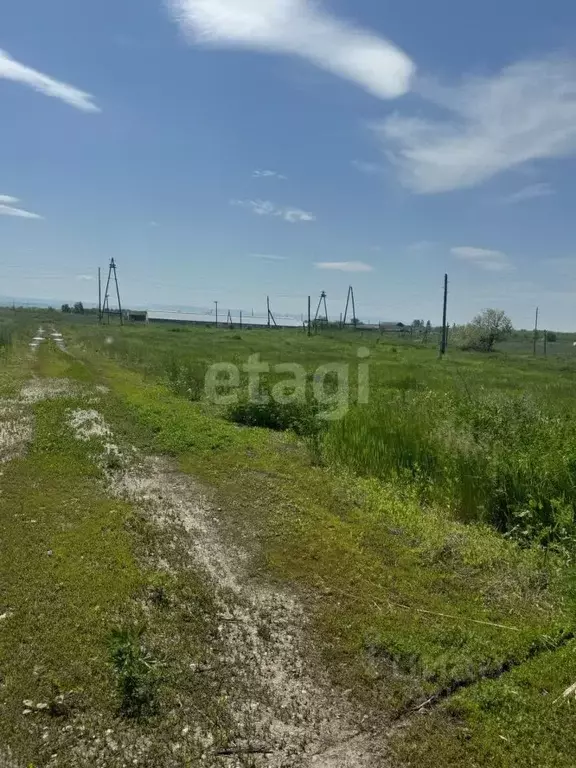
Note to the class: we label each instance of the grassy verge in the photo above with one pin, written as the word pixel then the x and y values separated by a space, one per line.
pixel 521 720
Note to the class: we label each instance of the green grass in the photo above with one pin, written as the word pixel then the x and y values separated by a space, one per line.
pixel 490 437
pixel 67 571
pixel 418 535
pixel 375 559
pixel 91 630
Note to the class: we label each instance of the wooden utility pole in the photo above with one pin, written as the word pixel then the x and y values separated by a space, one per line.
pixel 444 341
pixel 536 331
pixel 309 316
pixel 268 309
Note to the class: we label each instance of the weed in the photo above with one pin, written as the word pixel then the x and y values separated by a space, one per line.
pixel 136 671
pixel 185 378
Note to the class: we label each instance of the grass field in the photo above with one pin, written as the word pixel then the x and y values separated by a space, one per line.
pixel 429 534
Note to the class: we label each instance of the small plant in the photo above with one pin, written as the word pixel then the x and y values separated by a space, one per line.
pixel 299 416
pixel 136 671
pixel 185 379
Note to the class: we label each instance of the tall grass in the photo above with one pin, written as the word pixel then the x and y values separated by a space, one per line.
pixel 502 459
pixel 6 337
pixel 490 438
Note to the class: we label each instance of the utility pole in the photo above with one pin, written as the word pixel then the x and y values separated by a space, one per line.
pixel 444 342
pixel 271 317
pixel 536 330
pixel 322 299
pixel 216 303
pixel 309 317
pixel 350 298
pixel 99 295
pixel 112 271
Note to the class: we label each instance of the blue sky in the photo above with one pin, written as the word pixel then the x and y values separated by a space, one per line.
pixel 229 149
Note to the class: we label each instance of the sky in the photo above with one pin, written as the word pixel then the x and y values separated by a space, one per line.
pixel 226 150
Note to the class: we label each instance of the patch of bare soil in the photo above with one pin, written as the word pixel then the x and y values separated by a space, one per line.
pixel 16 429
pixel 283 705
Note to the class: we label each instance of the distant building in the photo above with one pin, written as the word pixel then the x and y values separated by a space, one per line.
pixel 382 327
pixel 209 318
pixel 137 316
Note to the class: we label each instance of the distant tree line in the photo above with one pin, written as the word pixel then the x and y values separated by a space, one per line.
pixel 77 308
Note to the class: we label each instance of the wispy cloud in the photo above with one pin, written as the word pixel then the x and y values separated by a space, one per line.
pixel 268 175
pixel 87 278
pixel 529 193
pixel 267 257
pixel 345 266
pixel 526 112
pixel 491 261
pixel 300 28
pixel 10 69
pixel 370 169
pixel 266 208
pixel 8 208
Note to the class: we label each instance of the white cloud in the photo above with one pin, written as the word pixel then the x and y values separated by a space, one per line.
pixel 491 261
pixel 19 73
pixel 7 208
pixel 268 175
pixel 300 28
pixel 295 214
pixel 85 277
pixel 266 208
pixel 529 193
pixel 526 112
pixel 267 257
pixel 345 266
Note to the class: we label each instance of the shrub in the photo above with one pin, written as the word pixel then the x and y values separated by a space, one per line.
pixel 299 416
pixel 487 328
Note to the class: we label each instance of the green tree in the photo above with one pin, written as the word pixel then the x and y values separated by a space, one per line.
pixel 552 336
pixel 79 308
pixel 66 308
pixel 487 328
